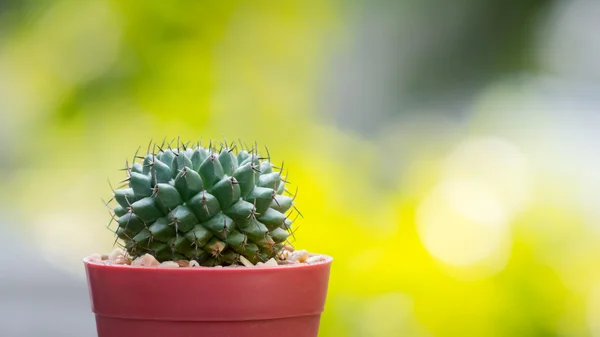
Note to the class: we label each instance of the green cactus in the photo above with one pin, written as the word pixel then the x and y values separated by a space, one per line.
pixel 199 203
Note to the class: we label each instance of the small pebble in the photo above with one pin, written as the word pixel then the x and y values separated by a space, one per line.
pixel 194 263
pixel 271 262
pixel 315 259
pixel 299 255
pixel 145 260
pixel 122 260
pixel 287 262
pixel 169 264
pixel 95 258
pixel 283 254
pixel 183 263
pixel 115 254
pixel 245 262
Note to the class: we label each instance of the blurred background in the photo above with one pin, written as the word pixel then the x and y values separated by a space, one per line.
pixel 446 152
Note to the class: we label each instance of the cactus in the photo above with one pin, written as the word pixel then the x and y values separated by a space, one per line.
pixel 198 203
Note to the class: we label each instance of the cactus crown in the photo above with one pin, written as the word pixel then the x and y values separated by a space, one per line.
pixel 205 204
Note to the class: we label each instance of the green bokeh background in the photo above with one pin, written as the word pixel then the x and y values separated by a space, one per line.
pixel 440 148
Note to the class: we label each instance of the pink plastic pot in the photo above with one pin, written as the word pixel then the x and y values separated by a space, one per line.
pixel 224 302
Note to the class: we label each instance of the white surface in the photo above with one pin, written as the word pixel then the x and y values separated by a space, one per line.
pixel 37 300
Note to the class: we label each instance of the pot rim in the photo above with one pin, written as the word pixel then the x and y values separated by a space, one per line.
pixel 327 260
pixel 235 294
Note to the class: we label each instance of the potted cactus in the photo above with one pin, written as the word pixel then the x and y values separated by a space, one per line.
pixel 204 236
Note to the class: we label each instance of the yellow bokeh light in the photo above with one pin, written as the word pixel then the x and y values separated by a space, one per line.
pixel 496 164
pixel 462 224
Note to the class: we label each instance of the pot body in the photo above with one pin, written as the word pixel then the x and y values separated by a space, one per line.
pixel 185 302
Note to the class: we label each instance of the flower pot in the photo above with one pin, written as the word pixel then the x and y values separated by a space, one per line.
pixel 226 302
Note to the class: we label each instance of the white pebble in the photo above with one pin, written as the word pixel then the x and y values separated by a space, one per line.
pixel 169 264
pixel 115 254
pixel 299 255
pixel 271 262
pixel 122 260
pixel 194 263
pixel 283 254
pixel 315 259
pixel 245 262
pixel 95 258
pixel 287 262
pixel 145 260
